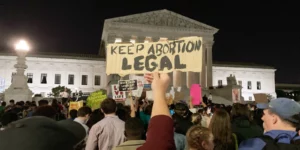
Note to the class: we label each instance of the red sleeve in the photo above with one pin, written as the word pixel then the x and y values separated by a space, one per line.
pixel 160 135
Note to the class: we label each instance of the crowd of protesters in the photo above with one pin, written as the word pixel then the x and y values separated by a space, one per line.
pixel 150 125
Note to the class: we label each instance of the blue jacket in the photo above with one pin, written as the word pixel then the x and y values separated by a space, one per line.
pixel 258 144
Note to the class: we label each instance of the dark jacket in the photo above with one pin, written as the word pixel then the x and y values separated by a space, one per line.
pixel 244 129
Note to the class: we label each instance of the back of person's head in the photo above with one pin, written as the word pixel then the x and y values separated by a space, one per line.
pixel 109 106
pixel 200 138
pixel 12 101
pixel 172 106
pixel 148 109
pixel 54 101
pixel 134 128
pixel 46 111
pixel 22 103
pixel 8 117
pixel 43 102
pixel 240 110
pixel 73 113
pixel 196 118
pixel 96 116
pixel 42 133
pixel 3 104
pixel 84 111
pixel 221 127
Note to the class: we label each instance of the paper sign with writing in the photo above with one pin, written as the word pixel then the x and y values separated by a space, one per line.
pixel 149 95
pixel 261 98
pixel 195 93
pixel 236 97
pixel 127 85
pixel 165 56
pixel 140 85
pixel 116 94
pixel 75 105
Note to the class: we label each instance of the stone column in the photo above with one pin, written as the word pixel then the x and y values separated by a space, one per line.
pixel 177 79
pixel 203 73
pixel 110 39
pixel 126 39
pixel 140 39
pixel 209 63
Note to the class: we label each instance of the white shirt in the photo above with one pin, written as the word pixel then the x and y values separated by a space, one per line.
pixel 83 124
pixel 64 94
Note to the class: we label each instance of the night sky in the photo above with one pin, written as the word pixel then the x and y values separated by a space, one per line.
pixel 262 33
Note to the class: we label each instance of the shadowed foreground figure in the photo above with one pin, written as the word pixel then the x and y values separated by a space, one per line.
pixel 42 133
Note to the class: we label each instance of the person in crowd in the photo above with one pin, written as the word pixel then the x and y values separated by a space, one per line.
pixel 73 114
pixel 31 109
pixel 83 116
pixel 281 123
pixel 205 118
pixel 196 119
pixel 205 99
pixel 43 102
pixel 58 109
pixel 46 111
pixel 95 117
pixel 220 126
pixel 182 124
pixel 12 102
pixel 183 117
pixel 7 118
pixel 160 135
pixel 134 129
pixel 2 106
pixel 65 107
pixel 109 132
pixel 42 133
pixel 121 112
pixel 64 95
pixel 200 138
pixel 257 115
pixel 145 113
pixel 18 109
pixel 179 139
pixel 241 124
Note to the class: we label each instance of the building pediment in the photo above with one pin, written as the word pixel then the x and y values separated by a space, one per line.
pixel 163 18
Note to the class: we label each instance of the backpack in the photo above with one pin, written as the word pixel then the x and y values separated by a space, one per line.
pixel 272 144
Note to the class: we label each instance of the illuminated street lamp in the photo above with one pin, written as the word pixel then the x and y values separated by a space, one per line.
pixel 19 90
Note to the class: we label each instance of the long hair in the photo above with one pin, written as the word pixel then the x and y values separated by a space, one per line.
pixel 221 127
pixel 196 135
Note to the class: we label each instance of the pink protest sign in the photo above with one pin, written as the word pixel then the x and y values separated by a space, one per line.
pixel 195 93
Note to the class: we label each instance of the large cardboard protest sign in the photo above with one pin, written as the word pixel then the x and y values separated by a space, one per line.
pixel 184 55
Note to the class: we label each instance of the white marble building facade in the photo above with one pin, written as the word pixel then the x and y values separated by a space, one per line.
pixel 163 25
pixel 153 26
pixel 44 72
pixel 62 66
pixel 253 79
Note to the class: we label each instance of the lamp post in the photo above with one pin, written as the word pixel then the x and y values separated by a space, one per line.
pixel 19 90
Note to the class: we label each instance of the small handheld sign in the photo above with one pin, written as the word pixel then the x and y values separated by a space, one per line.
pixel 127 85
